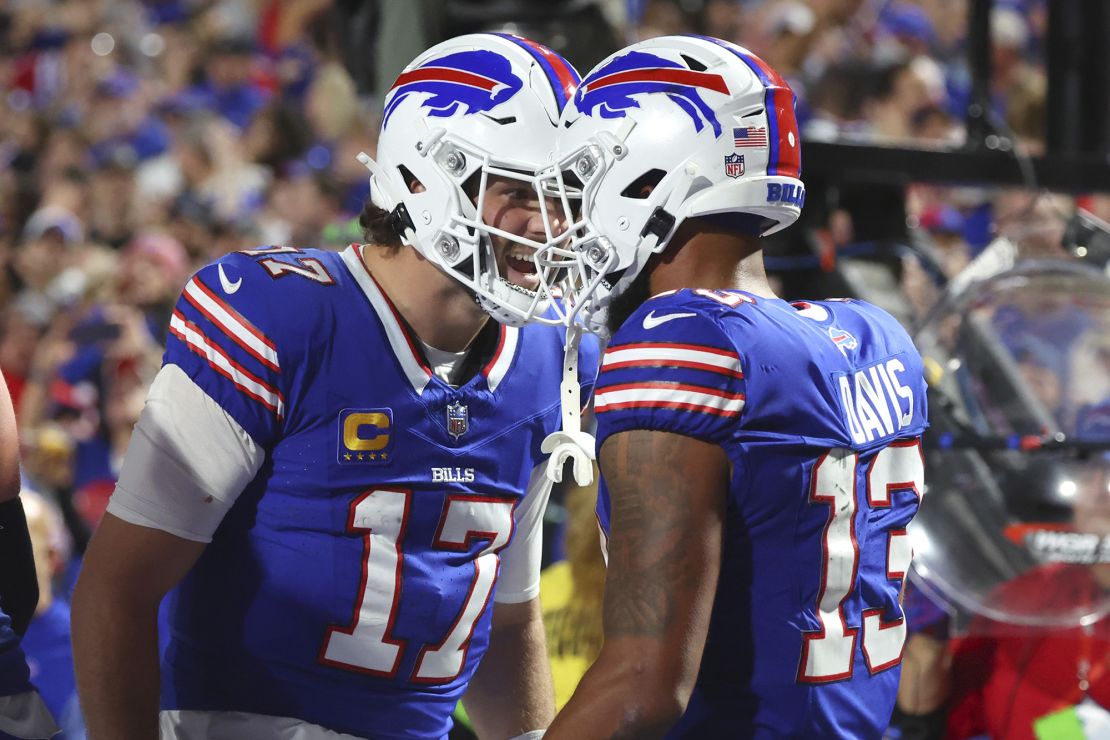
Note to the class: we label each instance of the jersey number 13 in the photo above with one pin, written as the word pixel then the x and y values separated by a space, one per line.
pixel 828 654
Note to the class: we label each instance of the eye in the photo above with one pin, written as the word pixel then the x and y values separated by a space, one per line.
pixel 520 194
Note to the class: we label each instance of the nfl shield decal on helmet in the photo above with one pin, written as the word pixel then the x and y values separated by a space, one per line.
pixel 458 419
pixel 734 165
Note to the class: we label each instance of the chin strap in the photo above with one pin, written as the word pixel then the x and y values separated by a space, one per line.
pixel 570 442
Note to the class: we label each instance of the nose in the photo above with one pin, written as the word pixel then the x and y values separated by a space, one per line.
pixel 555 217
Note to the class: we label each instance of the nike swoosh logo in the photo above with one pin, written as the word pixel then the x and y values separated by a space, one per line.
pixel 651 320
pixel 228 286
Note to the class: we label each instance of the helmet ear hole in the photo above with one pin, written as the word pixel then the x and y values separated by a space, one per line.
pixel 641 187
pixel 693 64
pixel 412 182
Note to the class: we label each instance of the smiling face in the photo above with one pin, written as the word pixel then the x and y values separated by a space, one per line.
pixel 514 206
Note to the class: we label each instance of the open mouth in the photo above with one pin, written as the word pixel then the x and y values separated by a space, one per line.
pixel 520 269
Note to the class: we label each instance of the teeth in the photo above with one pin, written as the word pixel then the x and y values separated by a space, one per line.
pixel 522 253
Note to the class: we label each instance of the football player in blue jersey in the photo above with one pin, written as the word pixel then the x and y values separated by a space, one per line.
pixel 338 469
pixel 22 711
pixel 760 459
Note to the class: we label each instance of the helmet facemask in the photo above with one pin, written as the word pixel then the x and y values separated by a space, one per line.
pixel 595 269
pixel 466 123
pixel 669 129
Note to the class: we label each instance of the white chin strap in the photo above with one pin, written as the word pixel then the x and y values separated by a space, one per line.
pixel 570 443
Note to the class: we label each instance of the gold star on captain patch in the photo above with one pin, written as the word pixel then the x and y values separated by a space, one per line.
pixel 385 455
pixel 361 456
pixel 347 456
pixel 373 456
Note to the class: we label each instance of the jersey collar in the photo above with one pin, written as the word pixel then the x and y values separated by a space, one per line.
pixel 403 343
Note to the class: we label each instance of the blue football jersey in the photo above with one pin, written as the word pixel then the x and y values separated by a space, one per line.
pixel 819 407
pixel 15 676
pixel 350 585
pixel 50 658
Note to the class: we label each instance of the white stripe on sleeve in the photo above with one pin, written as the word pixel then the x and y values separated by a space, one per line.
pixel 245 335
pixel 652 354
pixel 668 395
pixel 220 361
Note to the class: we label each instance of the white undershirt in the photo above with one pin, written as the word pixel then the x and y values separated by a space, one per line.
pixel 443 363
pixel 26 715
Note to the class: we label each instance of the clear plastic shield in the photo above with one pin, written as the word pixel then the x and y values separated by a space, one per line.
pixel 1015 525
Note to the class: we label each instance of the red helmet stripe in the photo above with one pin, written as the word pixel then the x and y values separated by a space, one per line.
pixel 785 157
pixel 662 74
pixel 444 74
pixel 567 77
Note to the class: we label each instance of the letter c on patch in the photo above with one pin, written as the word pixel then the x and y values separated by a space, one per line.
pixel 355 423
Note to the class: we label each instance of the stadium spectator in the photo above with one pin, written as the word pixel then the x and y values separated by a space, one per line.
pixel 47 644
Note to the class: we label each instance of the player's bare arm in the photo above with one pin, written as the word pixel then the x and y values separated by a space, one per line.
pixel 127 571
pixel 668 495
pixel 511 692
pixel 924 688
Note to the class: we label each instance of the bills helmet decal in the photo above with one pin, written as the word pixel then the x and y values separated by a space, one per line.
pixel 466 82
pixel 612 89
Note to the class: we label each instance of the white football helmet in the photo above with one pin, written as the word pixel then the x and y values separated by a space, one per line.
pixel 667 129
pixel 475 106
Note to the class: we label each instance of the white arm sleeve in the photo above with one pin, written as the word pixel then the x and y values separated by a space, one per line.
pixel 519 579
pixel 187 462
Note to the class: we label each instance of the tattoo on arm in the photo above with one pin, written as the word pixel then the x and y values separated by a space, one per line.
pixel 650 561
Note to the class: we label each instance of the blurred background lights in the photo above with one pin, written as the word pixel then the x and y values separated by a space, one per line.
pixel 1067 489
pixel 103 43
pixel 152 44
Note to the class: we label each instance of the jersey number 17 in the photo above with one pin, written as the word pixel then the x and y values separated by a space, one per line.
pixel 380 516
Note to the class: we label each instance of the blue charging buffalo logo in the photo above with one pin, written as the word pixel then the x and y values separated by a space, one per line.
pixel 611 90
pixel 467 82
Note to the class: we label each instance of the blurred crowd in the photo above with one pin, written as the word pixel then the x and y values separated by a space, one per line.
pixel 142 139
pixel 882 70
pixel 139 141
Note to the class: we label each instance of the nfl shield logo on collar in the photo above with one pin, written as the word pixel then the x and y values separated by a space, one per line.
pixel 458 419
pixel 734 165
